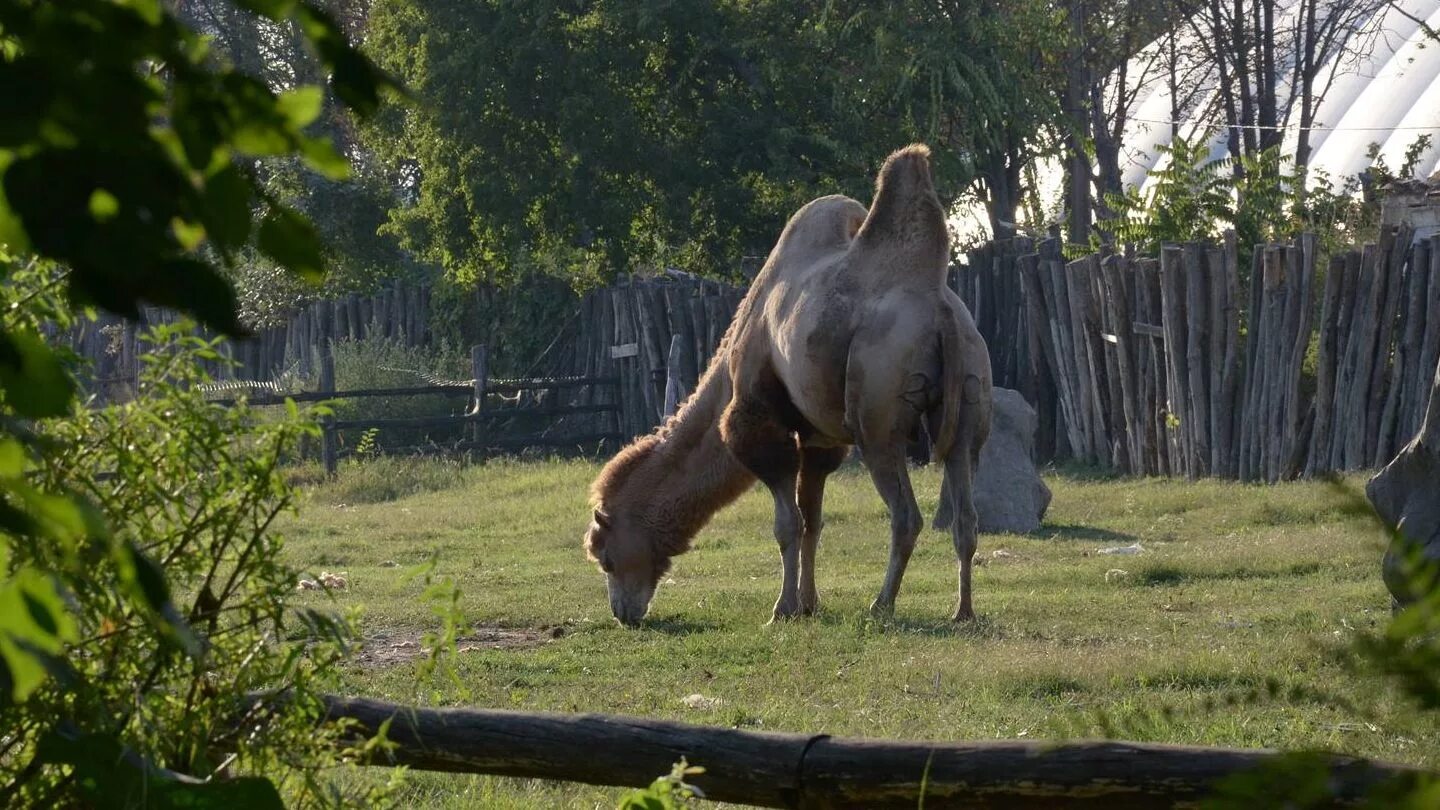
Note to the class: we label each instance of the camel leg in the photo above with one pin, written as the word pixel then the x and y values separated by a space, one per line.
pixel 816 464
pixel 770 451
pixel 959 493
pixel 892 480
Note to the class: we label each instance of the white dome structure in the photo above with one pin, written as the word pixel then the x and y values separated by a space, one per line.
pixel 1388 94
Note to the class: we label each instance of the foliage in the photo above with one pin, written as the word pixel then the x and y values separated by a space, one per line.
pixel 633 133
pixel 170 612
pixel 1193 197
pixel 121 170
pixel 669 792
pixel 974 79
pixel 612 129
pixel 125 149
pixel 1187 200
pixel 517 323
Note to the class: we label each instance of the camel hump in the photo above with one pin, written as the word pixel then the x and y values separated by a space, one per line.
pixel 906 214
pixel 825 223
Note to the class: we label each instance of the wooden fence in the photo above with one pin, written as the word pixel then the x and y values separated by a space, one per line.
pixel 1204 362
pixel 645 331
pixel 1209 359
pixel 476 427
pixel 401 313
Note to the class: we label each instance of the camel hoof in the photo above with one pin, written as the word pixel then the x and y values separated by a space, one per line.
pixel 964 614
pixel 882 610
pixel 784 612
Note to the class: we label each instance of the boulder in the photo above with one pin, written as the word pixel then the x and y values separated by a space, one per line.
pixel 1406 495
pixel 1009 495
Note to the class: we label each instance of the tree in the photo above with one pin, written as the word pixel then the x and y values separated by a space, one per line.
pixel 1106 65
pixel 1269 59
pixel 616 133
pixel 687 132
pixel 974 79
pixel 347 212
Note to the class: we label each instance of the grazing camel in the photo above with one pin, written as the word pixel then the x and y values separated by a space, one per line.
pixel 848 336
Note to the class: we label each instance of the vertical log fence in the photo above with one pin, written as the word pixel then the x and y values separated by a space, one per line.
pixel 1213 359
pixel 1204 364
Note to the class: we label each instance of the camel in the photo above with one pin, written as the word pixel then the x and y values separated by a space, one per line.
pixel 848 336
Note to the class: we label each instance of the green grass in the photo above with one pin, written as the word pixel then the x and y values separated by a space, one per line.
pixel 1241 590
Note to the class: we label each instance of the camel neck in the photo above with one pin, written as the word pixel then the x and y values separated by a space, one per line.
pixel 694 475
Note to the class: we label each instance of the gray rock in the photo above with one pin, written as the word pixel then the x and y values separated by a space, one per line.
pixel 1406 495
pixel 1009 495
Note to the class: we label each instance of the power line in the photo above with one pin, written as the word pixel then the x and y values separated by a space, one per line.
pixel 1292 128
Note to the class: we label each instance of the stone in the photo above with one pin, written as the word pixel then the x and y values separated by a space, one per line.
pixel 1009 495
pixel 1406 495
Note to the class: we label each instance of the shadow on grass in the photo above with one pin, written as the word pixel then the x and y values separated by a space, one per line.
pixel 1164 575
pixel 940 626
pixel 677 625
pixel 1071 531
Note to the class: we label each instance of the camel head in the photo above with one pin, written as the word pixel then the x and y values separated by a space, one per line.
pixel 632 559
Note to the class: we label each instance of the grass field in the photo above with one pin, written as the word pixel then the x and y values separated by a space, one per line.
pixel 1240 590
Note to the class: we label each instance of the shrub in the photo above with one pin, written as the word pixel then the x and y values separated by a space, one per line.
pixel 172 615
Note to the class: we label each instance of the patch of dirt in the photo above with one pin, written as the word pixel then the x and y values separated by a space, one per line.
pixel 400 647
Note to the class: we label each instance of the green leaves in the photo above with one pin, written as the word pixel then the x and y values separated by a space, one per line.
pixel 34 627
pixel 35 382
pixel 300 106
pixel 111 776
pixel 290 240
pixel 123 149
pixel 91 179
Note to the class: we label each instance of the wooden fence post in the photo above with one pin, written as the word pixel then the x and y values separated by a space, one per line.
pixel 327 428
pixel 674 387
pixel 477 407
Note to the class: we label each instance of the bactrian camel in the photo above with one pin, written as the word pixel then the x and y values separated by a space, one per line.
pixel 848 336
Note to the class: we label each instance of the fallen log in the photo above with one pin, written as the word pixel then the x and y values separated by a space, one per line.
pixel 819 771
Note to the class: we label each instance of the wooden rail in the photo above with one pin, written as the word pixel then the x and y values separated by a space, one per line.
pixel 798 770
pixel 476 420
pixel 440 421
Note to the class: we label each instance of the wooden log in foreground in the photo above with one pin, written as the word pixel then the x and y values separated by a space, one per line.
pixel 819 771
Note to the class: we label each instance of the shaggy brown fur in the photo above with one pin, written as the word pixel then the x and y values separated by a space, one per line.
pixel 848 336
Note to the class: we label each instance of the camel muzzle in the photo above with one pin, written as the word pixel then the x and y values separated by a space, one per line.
pixel 629 601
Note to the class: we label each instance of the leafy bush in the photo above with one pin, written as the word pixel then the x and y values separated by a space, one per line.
pixel 1188 200
pixel 669 792
pixel 171 616
pixel 1193 197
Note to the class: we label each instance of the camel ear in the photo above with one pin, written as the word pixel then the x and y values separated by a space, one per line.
pixel 602 519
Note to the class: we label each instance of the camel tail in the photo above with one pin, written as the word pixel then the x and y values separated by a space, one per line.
pixel 952 387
